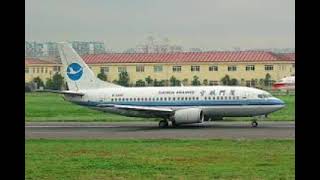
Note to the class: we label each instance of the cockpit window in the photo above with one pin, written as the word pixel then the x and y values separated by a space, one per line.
pixel 264 95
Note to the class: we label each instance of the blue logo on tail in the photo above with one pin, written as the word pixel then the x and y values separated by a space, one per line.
pixel 74 71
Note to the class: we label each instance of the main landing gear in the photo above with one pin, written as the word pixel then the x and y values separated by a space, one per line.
pixel 163 124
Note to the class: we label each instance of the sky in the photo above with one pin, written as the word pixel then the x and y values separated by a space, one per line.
pixel 205 24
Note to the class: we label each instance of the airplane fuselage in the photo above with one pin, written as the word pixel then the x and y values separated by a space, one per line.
pixel 215 101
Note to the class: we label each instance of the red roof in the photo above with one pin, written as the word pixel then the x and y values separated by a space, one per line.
pixel 181 57
pixel 291 56
pixel 37 61
pixel 178 57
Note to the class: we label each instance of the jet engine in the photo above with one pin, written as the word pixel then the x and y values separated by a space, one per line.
pixel 188 116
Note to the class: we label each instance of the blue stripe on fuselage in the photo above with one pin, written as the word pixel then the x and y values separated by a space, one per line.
pixel 187 103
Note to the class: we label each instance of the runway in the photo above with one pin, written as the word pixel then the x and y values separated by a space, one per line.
pixel 150 130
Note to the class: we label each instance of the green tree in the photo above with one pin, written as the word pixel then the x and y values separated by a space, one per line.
pixel 56 83
pixel 140 83
pixel 38 81
pixel 185 81
pixel 174 81
pixel 149 81
pixel 225 80
pixel 254 82
pixel 163 82
pixel 261 82
pixel 102 76
pixel 267 80
pixel 243 82
pixel 233 82
pixel 49 84
pixel 156 82
pixel 124 79
pixel 195 81
pixel 178 82
pixel 205 82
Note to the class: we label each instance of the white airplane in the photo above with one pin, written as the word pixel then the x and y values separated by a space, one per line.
pixel 178 105
pixel 286 83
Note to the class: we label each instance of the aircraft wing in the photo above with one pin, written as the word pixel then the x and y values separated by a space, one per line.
pixel 138 108
pixel 62 92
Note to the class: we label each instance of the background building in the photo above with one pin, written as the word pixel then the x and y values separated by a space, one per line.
pixel 40 68
pixel 247 67
pixel 50 49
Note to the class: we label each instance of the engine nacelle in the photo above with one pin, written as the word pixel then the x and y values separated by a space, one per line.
pixel 188 116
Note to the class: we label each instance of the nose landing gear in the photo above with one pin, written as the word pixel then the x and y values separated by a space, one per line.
pixel 254 124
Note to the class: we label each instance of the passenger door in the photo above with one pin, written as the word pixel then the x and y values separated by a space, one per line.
pixel 244 98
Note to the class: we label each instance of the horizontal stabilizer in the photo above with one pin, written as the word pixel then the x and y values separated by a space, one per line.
pixel 62 92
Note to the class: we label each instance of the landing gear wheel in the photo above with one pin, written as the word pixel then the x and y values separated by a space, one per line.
pixel 163 124
pixel 254 124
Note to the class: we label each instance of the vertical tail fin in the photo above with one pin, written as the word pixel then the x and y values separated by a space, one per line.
pixel 76 72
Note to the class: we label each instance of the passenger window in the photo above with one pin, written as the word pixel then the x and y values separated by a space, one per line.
pixel 178 98
pixel 193 98
pixel 182 98
pixel 161 99
pixel 238 97
pixel 205 98
pixel 111 99
pixel 165 98
pixel 197 98
pixel 146 99
pixel 157 99
pixel 209 98
pixel 127 99
pixel 173 98
pixel 217 97
pixel 149 99
pixel 169 98
pixel 229 97
pixel 213 98
pixel 190 98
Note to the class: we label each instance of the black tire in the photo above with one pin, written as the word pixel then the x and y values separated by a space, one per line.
pixel 254 124
pixel 163 124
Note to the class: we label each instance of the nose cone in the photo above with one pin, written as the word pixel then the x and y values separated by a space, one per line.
pixel 280 102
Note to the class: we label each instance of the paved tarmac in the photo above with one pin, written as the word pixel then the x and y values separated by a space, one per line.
pixel 150 130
